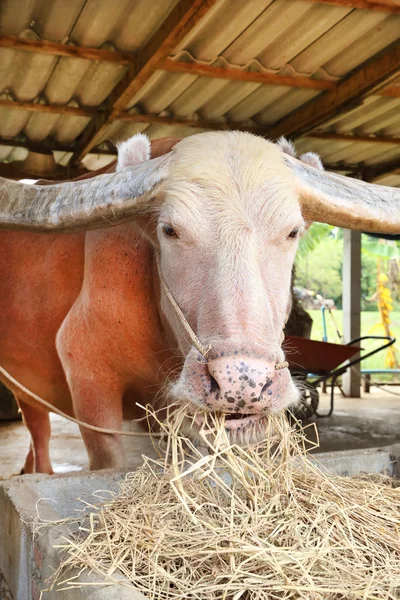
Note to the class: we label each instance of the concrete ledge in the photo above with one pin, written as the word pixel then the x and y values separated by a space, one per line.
pixel 27 561
pixel 349 463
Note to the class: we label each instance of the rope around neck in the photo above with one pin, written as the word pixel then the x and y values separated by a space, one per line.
pixel 196 342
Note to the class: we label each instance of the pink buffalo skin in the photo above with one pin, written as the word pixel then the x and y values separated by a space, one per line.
pixel 82 323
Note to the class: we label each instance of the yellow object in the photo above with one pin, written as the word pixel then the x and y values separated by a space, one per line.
pixel 385 305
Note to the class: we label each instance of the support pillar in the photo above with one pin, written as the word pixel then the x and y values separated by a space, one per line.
pixel 352 304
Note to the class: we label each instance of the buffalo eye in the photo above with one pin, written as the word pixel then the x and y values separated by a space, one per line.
pixel 169 230
pixel 293 233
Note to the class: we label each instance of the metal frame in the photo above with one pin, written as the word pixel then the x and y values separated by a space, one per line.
pixel 340 370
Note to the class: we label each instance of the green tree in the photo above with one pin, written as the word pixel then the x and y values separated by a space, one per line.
pixel 320 258
pixel 321 269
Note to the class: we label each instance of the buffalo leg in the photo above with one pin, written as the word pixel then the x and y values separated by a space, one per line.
pixel 38 424
pixel 99 403
pixel 29 465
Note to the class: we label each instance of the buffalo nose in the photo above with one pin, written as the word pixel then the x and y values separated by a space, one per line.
pixel 240 384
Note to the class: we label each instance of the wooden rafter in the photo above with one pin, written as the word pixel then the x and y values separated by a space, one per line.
pixel 343 167
pixel 56 49
pixel 262 77
pixel 375 172
pixel 390 6
pixel 91 112
pixel 349 93
pixel 197 124
pixel 174 66
pixel 60 109
pixel 48 145
pixel 174 121
pixel 236 74
pixel 181 20
pixel 391 91
pixel 345 137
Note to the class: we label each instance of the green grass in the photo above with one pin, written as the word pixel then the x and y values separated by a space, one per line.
pixel 368 320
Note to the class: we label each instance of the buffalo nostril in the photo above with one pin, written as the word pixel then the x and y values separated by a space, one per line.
pixel 265 387
pixel 214 387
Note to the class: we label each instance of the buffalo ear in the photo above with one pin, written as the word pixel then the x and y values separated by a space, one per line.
pixel 133 151
pixel 138 149
pixel 309 158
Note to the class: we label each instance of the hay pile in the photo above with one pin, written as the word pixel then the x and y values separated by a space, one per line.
pixel 249 524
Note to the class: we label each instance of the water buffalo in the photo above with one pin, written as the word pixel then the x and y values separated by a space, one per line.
pixel 172 273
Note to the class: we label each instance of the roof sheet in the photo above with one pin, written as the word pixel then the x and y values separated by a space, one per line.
pixel 292 37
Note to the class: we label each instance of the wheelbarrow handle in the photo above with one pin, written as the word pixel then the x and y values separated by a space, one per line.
pixel 339 371
pixel 390 341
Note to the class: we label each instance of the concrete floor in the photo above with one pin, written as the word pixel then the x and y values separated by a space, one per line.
pixel 370 422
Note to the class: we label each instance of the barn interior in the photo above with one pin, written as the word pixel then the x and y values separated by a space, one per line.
pixel 78 77
pixel 86 74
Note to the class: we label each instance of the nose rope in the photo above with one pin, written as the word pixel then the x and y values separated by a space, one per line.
pixel 196 342
pixel 284 364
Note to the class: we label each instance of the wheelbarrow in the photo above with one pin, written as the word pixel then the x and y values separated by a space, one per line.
pixel 313 362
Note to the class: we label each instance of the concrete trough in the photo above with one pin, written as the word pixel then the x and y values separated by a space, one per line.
pixel 27 560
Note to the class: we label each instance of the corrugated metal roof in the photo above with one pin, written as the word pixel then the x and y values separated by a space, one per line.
pixel 288 37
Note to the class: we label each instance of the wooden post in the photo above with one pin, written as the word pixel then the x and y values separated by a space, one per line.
pixel 352 304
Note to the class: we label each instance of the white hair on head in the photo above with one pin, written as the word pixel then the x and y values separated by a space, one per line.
pixel 133 151
pixel 312 159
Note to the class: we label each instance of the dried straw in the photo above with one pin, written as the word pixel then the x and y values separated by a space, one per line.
pixel 258 523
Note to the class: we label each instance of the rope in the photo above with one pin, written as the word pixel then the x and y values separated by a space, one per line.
pixel 53 409
pixel 282 365
pixel 196 342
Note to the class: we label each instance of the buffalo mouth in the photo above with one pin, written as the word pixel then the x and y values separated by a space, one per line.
pixel 234 421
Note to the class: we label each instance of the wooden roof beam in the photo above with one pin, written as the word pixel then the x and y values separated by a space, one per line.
pixel 181 20
pixel 391 91
pixel 345 137
pixel 128 117
pixel 174 66
pixel 255 129
pixel 173 121
pixel 237 74
pixel 389 6
pixel 56 49
pixel 373 173
pixel 262 77
pixel 60 109
pixel 196 124
pixel 350 92
pixel 49 146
